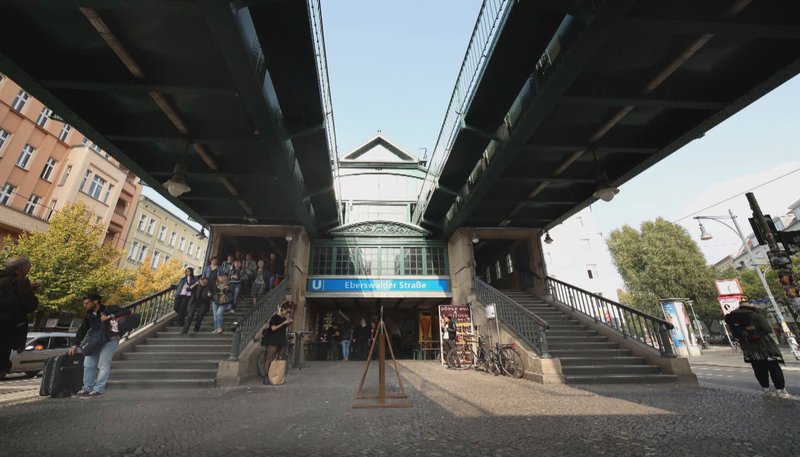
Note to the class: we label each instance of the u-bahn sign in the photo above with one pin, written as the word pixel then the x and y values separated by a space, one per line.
pixel 377 285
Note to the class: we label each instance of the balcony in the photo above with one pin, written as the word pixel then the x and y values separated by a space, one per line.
pixel 14 217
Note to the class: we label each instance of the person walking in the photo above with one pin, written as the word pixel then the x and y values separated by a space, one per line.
pixel 449 343
pixel 260 280
pixel 759 348
pixel 17 299
pixel 199 303
pixel 275 337
pixel 222 300
pixel 346 333
pixel 237 276
pixel 185 287
pixel 97 366
pixel 275 269
pixel 361 339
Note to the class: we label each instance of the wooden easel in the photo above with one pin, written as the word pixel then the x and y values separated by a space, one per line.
pixel 382 339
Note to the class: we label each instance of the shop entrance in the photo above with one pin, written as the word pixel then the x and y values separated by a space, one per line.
pixel 412 324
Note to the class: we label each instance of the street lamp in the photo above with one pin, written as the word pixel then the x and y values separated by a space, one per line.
pixel 707 236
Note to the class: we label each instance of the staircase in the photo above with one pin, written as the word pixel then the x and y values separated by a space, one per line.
pixel 587 357
pixel 169 359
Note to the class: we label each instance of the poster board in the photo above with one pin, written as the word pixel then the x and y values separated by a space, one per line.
pixel 465 328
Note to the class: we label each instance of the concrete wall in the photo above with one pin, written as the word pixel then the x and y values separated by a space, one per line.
pixel 459 251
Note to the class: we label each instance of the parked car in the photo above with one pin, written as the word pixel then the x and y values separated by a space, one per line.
pixel 38 348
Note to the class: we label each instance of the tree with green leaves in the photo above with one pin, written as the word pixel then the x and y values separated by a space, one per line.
pixel 147 281
pixel 69 259
pixel 662 261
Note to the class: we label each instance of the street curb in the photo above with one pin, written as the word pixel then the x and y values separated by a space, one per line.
pixel 711 364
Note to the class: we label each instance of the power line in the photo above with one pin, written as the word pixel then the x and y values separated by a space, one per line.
pixel 737 195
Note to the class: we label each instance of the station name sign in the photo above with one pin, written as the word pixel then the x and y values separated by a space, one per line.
pixel 378 285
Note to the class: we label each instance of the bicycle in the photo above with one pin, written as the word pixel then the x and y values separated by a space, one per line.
pixel 502 359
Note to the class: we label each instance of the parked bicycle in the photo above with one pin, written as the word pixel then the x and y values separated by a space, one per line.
pixel 501 359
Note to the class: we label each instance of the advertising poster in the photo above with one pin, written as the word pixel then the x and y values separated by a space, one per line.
pixel 673 312
pixel 464 326
pixel 729 303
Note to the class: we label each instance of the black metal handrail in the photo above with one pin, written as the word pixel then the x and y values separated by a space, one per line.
pixel 527 325
pixel 246 329
pixel 632 323
pixel 153 307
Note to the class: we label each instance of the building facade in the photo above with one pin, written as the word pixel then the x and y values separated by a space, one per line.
pixel 45 165
pixel 158 236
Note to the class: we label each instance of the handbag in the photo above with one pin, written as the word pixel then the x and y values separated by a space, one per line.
pixel 277 372
pixel 94 340
pixel 128 323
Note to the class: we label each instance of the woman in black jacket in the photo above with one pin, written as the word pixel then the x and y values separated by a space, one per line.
pixel 183 294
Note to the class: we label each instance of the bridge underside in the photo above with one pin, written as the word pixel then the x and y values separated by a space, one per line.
pixel 232 94
pixel 619 88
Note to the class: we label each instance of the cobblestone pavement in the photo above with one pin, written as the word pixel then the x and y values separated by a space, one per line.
pixel 16 388
pixel 454 413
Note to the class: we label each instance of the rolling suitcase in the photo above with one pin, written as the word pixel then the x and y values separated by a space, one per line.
pixel 62 376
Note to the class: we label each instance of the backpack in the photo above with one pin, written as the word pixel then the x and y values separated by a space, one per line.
pixel 743 327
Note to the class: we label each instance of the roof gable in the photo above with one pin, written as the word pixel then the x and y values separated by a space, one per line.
pixel 379 149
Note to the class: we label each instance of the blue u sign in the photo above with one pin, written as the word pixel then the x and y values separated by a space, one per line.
pixel 378 285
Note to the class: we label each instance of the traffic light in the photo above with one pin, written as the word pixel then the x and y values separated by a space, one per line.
pixel 782 264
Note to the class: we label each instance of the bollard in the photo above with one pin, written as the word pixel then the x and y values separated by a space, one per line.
pixel 235 342
pixel 667 351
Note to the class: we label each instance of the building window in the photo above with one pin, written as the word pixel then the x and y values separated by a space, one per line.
pixel 33 202
pixel 20 100
pixel 96 187
pixel 412 258
pixel 391 261
pixel 154 263
pixel 25 156
pixel 51 209
pixel 509 264
pixel 95 147
pixel 6 193
pixel 162 232
pixel 172 239
pixel 134 248
pixel 368 259
pixel 108 192
pixel 151 226
pixel 167 259
pixel 435 261
pixel 64 132
pixel 142 254
pixel 586 244
pixel 191 249
pixel 591 271
pixel 488 275
pixel 497 269
pixel 198 253
pixel 65 175
pixel 182 243
pixel 83 181
pixel 47 171
pixel 85 141
pixel 345 261
pixel 142 222
pixel 579 219
pixel 3 138
pixel 41 121
pixel 322 261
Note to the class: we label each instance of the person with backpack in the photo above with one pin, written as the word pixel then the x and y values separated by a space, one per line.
pixel 754 335
pixel 17 299
pixel 100 324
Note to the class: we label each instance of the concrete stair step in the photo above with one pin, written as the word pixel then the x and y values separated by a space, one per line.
pixel 580 338
pixel 621 379
pixel 182 348
pixel 589 352
pixel 556 332
pixel 603 370
pixel 617 360
pixel 205 328
pixel 205 339
pixel 167 356
pixel 166 364
pixel 190 336
pixel 161 384
pixel 162 373
pixel 556 344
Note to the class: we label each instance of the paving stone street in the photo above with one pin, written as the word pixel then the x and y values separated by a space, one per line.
pixel 454 413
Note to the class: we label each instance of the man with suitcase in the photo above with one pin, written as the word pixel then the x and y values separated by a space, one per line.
pixel 99 320
pixel 17 299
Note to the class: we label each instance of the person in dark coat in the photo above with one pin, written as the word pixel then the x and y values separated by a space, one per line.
pixel 184 294
pixel 361 337
pixel 275 269
pixel 198 304
pixel 97 366
pixel 17 299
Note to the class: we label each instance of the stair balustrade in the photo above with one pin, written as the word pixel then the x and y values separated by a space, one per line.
pixel 152 308
pixel 246 329
pixel 631 322
pixel 527 325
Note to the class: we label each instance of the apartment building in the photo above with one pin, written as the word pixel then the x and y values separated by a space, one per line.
pixel 159 235
pixel 46 164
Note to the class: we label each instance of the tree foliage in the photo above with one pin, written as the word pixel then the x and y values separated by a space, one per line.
pixel 662 261
pixel 146 281
pixel 69 259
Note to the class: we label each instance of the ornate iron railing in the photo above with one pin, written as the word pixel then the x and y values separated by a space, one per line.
pixel 153 308
pixel 527 325
pixel 246 329
pixel 487 29
pixel 631 322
